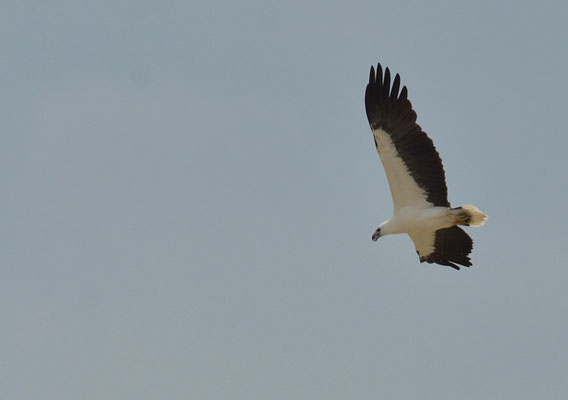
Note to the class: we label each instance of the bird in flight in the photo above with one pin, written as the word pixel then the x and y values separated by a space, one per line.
pixel 416 178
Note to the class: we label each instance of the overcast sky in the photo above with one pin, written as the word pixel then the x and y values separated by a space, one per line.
pixel 190 189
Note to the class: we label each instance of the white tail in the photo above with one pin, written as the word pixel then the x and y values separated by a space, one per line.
pixel 475 216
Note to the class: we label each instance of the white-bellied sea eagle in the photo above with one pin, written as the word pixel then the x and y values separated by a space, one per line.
pixel 416 178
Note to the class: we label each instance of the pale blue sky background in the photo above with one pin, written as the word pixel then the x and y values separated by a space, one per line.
pixel 190 188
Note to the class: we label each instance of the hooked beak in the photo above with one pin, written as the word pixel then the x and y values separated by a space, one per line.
pixel 376 235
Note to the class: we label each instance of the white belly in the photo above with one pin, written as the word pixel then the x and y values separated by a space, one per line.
pixel 410 219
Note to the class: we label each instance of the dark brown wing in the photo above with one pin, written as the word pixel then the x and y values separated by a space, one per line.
pixel 451 246
pixel 391 112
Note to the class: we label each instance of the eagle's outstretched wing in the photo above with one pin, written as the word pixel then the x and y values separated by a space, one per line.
pixel 448 246
pixel 413 167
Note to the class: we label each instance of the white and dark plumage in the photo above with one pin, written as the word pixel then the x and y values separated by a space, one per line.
pixel 416 178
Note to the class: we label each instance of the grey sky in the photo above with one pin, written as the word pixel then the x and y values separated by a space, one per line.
pixel 190 189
